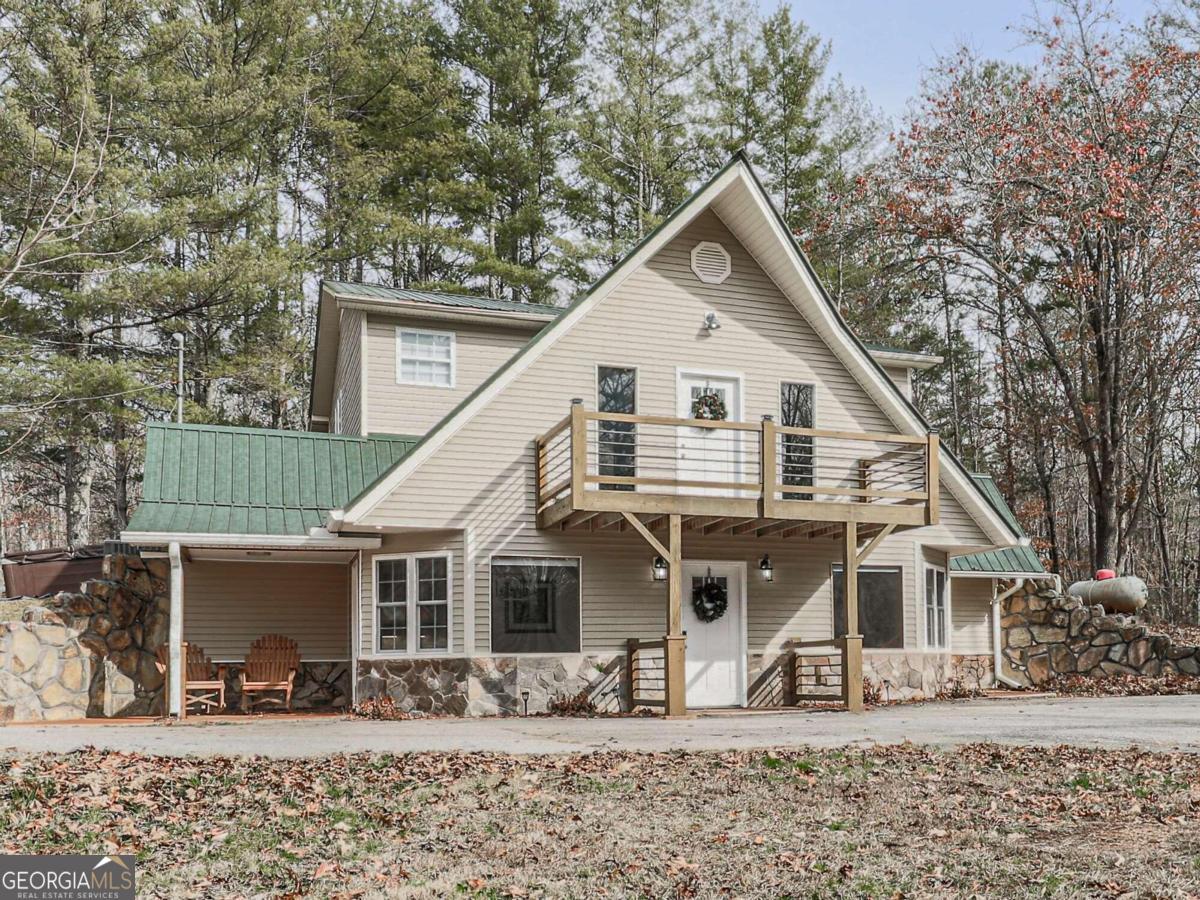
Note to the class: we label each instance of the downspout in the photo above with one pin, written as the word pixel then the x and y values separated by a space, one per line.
pixel 998 599
pixel 175 633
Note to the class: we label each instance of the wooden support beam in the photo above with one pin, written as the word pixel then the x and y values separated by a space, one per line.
pixel 650 538
pixel 875 542
pixel 852 674
pixel 746 526
pixel 932 479
pixel 772 529
pixel 674 649
pixel 717 524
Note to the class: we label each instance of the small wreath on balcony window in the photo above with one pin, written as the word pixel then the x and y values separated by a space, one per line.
pixel 710 600
pixel 710 406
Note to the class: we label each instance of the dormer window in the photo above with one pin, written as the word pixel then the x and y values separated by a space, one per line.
pixel 425 357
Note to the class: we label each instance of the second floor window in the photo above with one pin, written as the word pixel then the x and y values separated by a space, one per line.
pixel 425 357
pixel 797 459
pixel 616 392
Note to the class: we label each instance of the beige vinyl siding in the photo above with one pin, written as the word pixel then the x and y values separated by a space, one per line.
pixel 226 605
pixel 901 377
pixel 971 608
pixel 347 413
pixel 448 541
pixel 483 476
pixel 480 349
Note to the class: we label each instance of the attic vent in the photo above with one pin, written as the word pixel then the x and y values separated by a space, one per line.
pixel 710 262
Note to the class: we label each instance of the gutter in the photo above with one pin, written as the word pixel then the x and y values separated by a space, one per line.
pixel 998 675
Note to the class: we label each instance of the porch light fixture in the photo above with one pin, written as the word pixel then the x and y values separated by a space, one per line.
pixel 768 570
pixel 711 322
pixel 659 568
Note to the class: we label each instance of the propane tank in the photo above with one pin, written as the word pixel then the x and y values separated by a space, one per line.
pixel 1116 593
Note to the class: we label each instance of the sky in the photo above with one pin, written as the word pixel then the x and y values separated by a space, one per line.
pixel 883 46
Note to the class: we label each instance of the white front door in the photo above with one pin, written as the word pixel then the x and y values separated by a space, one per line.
pixel 716 652
pixel 709 454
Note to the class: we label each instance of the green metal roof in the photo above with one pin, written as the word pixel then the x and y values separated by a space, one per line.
pixel 1021 560
pixel 352 289
pixel 213 479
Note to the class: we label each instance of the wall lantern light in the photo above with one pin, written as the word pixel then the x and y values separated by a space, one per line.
pixel 659 568
pixel 768 570
pixel 711 322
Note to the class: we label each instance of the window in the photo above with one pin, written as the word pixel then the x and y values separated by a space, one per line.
pixel 935 608
pixel 616 391
pixel 880 607
pixel 535 605
pixel 412 602
pixel 796 405
pixel 425 357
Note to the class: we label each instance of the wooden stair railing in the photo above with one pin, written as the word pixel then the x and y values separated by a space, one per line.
pixel 641 677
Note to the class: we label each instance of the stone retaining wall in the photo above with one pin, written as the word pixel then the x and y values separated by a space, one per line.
pixel 1046 634
pixel 90 653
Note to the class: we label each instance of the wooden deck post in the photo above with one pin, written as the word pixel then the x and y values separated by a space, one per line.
pixel 932 478
pixel 674 641
pixel 769 465
pixel 852 674
pixel 578 452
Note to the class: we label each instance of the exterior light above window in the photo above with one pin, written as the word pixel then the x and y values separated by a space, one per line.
pixel 768 570
pixel 659 568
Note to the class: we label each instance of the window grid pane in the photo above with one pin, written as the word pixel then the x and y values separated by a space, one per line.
pixel 426 358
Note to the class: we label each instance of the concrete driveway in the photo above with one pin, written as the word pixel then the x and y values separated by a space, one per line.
pixel 1154 723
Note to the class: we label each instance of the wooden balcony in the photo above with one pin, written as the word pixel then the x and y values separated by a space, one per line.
pixel 595 470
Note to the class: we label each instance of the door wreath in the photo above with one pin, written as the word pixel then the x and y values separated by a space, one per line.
pixel 710 600
pixel 710 406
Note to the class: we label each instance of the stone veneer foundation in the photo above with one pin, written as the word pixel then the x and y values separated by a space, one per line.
pixel 491 686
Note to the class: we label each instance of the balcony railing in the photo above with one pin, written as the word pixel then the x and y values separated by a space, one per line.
pixel 657 464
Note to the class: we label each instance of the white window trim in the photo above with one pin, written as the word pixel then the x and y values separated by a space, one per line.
pixel 411 604
pixel 836 568
pixel 402 330
pixel 949 627
pixel 492 586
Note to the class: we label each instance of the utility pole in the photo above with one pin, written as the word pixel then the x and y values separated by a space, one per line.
pixel 178 338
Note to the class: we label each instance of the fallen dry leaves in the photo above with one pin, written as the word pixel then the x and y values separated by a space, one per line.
pixel 902 821
pixel 1123 685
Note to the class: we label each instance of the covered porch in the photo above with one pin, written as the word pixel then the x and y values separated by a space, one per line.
pixel 661 476
pixel 227 601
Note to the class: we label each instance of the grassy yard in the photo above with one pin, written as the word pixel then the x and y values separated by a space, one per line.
pixel 890 822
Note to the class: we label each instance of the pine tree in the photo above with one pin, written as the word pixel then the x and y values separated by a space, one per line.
pixel 522 63
pixel 639 144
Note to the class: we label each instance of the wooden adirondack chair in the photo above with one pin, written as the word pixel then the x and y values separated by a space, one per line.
pixel 203 682
pixel 270 668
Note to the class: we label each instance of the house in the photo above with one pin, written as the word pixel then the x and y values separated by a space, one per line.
pixel 678 491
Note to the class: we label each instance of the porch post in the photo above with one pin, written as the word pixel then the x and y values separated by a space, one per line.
pixel 852 674
pixel 674 641
pixel 174 686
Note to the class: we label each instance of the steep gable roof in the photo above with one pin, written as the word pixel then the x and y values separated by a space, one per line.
pixel 211 479
pixel 738 198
